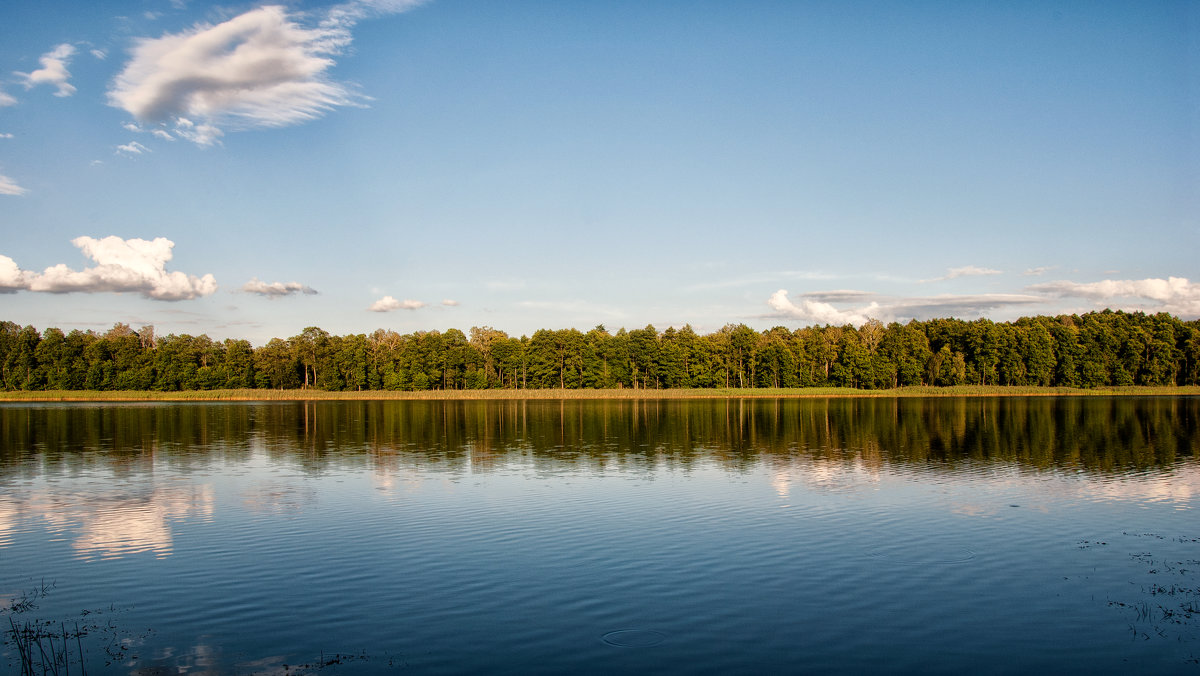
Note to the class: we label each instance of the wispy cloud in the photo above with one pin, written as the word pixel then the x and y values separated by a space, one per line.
pixel 859 306
pixel 577 308
pixel 841 296
pixel 10 187
pixel 53 71
pixel 1039 271
pixel 964 271
pixel 6 135
pixel 132 148
pixel 505 284
pixel 133 265
pixel 1175 295
pixel 259 69
pixel 6 99
pixel 450 303
pixel 959 305
pixel 277 289
pixel 388 304
pixel 768 277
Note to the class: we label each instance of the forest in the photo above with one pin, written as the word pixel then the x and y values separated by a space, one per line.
pixel 1096 349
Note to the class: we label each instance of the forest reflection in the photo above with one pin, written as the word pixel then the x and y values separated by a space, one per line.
pixel 1099 434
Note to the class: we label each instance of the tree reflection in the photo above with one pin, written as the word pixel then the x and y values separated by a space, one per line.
pixel 1094 433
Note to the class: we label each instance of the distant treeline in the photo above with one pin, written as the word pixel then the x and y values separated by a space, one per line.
pixel 1092 350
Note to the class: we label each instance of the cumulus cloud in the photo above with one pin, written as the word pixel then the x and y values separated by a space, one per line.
pixel 450 303
pixel 53 71
pixel 964 271
pixel 12 278
pixel 818 312
pixel 10 187
pixel 122 266
pixel 1175 295
pixel 259 69
pixel 387 304
pixel 277 289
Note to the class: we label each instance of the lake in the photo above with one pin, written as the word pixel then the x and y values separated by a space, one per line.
pixel 940 535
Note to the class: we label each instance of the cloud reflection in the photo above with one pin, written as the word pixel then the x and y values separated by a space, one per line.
pixel 113 525
pixel 824 475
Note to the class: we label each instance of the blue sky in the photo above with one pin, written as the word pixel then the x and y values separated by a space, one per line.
pixel 247 170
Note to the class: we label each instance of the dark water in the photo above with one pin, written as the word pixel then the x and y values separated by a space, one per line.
pixel 796 536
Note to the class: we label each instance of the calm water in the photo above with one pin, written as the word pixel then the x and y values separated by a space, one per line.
pixel 940 535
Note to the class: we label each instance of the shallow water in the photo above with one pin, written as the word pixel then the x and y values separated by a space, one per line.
pixel 895 535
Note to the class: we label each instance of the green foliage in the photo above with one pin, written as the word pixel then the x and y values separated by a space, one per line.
pixel 1095 350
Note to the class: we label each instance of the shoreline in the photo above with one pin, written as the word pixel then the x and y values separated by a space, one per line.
pixel 556 394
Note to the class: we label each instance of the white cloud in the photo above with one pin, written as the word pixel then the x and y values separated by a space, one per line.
pixel 99 54
pixel 958 305
pixel 258 69
pixel 134 265
pixel 276 289
pixel 1175 295
pixel 387 304
pixel 53 71
pixel 162 134
pixel 200 134
pixel 1039 271
pixel 132 148
pixel 10 187
pixel 12 278
pixel 766 277
pixel 582 309
pixel 450 303
pixel 347 14
pixel 819 308
pixel 841 296
pixel 6 135
pixel 818 312
pixel 964 271
pixel 7 99
pixel 505 284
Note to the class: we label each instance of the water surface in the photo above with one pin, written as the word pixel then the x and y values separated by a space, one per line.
pixel 709 536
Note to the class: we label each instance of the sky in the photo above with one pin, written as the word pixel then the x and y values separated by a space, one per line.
pixel 249 170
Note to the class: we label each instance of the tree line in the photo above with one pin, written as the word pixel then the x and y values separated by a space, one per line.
pixel 1095 349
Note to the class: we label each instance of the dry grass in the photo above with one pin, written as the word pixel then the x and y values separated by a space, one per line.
pixel 723 393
